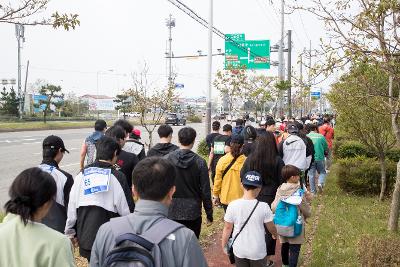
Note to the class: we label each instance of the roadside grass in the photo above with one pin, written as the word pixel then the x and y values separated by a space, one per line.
pixel 207 232
pixel 33 125
pixel 344 221
pixel 1 216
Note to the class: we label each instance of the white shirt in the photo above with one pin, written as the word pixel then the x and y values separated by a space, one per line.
pixel 250 244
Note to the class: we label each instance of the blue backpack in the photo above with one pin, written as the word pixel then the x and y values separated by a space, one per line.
pixel 287 220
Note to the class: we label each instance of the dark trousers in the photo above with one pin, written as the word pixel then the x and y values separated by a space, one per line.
pixel 250 263
pixel 290 254
pixel 194 225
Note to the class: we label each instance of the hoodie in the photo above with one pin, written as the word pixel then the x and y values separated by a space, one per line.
pixel 161 149
pixel 284 191
pixel 192 186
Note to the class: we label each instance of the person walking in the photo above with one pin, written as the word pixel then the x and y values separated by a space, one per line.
pixel 250 135
pixel 227 186
pixel 99 193
pixel 329 133
pixel 291 245
pixel 266 161
pixel 216 125
pixel 132 144
pixel 248 218
pixel 154 185
pixel 88 149
pixel 320 150
pixel 192 184
pixel 53 152
pixel 25 241
pixel 164 146
pixel 219 148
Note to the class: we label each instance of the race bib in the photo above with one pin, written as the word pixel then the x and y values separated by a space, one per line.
pixel 95 180
pixel 219 148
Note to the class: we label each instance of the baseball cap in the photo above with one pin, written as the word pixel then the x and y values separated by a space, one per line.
pixel 136 132
pixel 54 142
pixel 292 129
pixel 252 178
pixel 269 121
pixel 237 139
pixel 250 132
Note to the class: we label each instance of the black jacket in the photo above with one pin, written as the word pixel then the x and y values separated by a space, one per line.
pixel 192 186
pixel 270 186
pixel 126 163
pixel 161 149
pixel 57 215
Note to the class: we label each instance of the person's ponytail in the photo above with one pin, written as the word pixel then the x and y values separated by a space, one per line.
pixel 30 190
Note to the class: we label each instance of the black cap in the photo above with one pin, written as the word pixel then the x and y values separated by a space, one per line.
pixel 54 142
pixel 252 178
pixel 292 129
pixel 250 132
pixel 237 139
pixel 269 121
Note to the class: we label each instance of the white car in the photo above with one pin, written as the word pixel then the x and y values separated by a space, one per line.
pixel 133 114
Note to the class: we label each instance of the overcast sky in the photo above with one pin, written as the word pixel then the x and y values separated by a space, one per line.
pixel 120 35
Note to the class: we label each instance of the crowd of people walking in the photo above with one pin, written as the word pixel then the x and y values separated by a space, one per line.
pixel 126 208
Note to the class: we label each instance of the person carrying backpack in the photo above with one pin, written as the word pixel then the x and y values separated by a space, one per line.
pixel 147 236
pixel 238 129
pixel 291 197
pixel 88 149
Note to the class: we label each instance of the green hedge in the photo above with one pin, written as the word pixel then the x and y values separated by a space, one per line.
pixel 351 149
pixel 202 149
pixel 194 118
pixel 361 175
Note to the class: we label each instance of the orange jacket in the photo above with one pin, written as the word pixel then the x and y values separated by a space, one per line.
pixel 327 131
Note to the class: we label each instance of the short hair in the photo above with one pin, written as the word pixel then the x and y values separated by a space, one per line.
pixel 312 127
pixel 153 178
pixel 216 125
pixel 239 122
pixel 227 128
pixel 327 119
pixel 289 171
pixel 124 124
pixel 116 132
pixel 186 136
pixel 30 190
pixel 106 147
pixel 100 125
pixel 164 130
pixel 249 187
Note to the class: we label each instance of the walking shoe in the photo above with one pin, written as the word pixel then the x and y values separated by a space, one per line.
pixel 270 263
pixel 320 188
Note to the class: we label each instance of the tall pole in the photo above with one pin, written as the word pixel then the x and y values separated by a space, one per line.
pixel 170 51
pixel 281 67
pixel 26 81
pixel 289 73
pixel 309 76
pixel 301 84
pixel 19 32
pixel 209 59
pixel 97 98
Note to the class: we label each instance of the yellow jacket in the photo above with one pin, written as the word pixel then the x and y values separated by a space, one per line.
pixel 229 188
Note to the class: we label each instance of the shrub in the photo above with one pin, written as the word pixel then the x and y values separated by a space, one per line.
pixel 351 149
pixel 374 251
pixel 202 148
pixel 194 118
pixel 393 155
pixel 362 175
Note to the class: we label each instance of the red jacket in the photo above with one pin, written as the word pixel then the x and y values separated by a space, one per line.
pixel 327 131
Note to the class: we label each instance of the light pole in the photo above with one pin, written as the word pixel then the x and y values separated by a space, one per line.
pixel 20 34
pixel 170 23
pixel 97 89
pixel 209 74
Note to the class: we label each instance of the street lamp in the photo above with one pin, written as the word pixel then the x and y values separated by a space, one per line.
pixel 97 89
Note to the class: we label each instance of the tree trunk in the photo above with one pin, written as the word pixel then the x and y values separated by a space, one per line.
pixel 44 116
pixel 395 206
pixel 150 139
pixel 383 176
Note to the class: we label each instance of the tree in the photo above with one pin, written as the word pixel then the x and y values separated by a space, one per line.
pixel 10 102
pixel 52 95
pixel 22 11
pixel 231 84
pixel 363 30
pixel 123 104
pixel 73 106
pixel 369 126
pixel 151 102
pixel 260 91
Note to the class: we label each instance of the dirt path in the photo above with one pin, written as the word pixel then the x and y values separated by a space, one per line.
pixel 217 258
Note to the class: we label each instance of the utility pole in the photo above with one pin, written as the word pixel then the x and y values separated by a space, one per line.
pixel 301 84
pixel 209 74
pixel 281 67
pixel 19 33
pixel 289 73
pixel 309 77
pixel 170 22
pixel 26 81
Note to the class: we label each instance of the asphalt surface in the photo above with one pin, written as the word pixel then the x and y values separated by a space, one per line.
pixel 21 150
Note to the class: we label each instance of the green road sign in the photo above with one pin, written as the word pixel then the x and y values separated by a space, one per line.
pixel 235 37
pixel 254 54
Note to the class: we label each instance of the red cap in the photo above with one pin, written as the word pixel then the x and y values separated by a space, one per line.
pixel 136 132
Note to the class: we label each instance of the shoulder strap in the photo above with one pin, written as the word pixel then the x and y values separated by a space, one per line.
pixel 161 230
pixel 229 166
pixel 247 220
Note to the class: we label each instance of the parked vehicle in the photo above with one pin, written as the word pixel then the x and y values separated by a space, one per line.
pixel 219 116
pixel 133 114
pixel 175 119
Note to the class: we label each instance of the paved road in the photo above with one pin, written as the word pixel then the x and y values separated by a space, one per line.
pixel 21 150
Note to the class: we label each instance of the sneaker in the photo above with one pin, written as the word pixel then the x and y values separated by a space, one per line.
pixel 320 188
pixel 270 263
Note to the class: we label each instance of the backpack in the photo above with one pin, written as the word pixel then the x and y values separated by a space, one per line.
pixel 90 152
pixel 238 130
pixel 287 220
pixel 138 250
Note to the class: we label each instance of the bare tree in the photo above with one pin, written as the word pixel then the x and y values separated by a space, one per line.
pixel 152 103
pixel 26 12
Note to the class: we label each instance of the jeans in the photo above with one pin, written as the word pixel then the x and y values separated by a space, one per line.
pixel 317 166
pixel 194 225
pixel 250 263
pixel 290 254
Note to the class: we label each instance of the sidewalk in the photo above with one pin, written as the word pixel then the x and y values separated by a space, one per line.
pixel 217 258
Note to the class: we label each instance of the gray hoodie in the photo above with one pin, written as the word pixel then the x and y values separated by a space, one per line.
pixel 181 248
